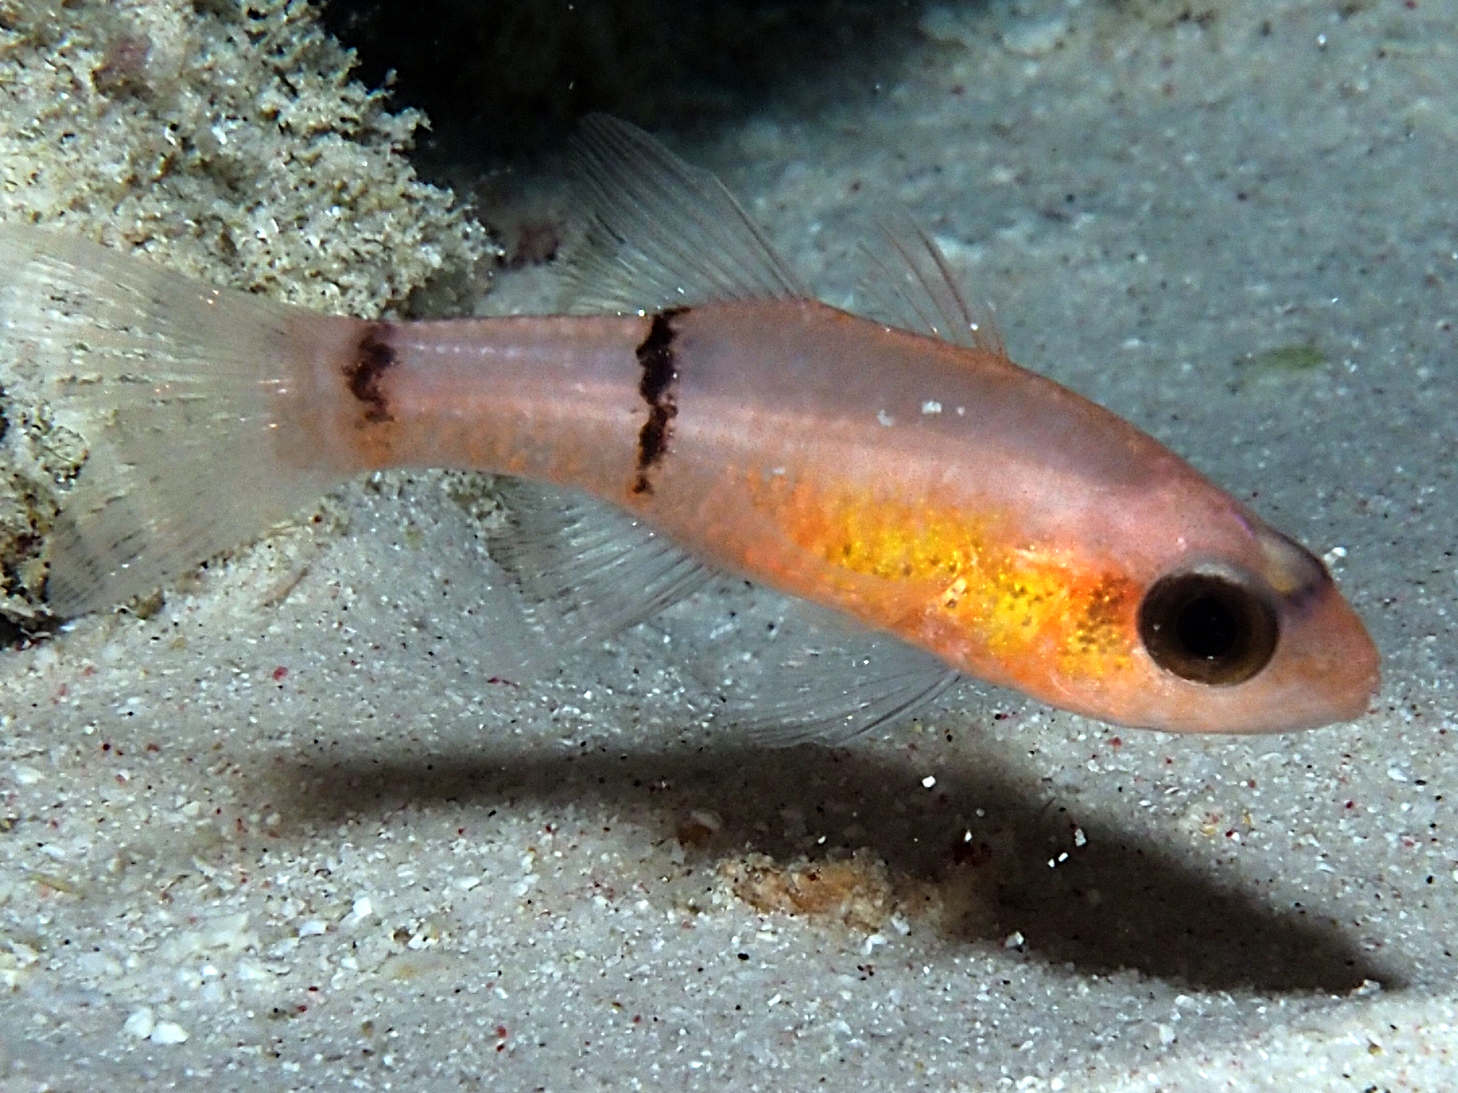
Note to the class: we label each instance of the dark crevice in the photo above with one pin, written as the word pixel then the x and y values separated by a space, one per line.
pixel 503 78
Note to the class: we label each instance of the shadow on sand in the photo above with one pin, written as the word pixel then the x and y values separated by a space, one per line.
pixel 1120 901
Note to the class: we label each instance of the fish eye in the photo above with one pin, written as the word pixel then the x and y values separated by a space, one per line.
pixel 1208 627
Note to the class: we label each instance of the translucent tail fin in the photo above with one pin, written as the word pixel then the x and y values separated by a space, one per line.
pixel 188 398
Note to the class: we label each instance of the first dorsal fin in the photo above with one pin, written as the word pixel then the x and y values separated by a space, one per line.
pixel 658 233
pixel 909 284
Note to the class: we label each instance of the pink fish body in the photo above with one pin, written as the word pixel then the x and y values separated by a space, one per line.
pixel 926 488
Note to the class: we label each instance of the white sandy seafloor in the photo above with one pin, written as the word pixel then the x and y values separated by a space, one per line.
pixel 288 834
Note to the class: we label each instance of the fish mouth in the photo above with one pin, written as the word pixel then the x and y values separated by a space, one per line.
pixel 1328 672
pixel 1356 661
pixel 1291 652
pixel 1326 668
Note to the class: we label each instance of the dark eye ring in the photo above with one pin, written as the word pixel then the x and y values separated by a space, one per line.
pixel 1209 626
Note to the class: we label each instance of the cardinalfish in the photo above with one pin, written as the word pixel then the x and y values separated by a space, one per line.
pixel 902 472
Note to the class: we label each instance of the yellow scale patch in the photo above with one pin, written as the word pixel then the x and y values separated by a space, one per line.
pixel 1018 604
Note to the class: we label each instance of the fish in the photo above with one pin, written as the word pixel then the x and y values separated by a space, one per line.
pixel 699 411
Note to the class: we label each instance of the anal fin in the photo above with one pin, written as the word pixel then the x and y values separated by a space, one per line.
pixel 586 570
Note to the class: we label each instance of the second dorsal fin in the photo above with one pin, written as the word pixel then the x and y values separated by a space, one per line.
pixel 658 233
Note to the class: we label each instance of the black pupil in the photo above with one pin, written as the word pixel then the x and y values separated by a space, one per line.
pixel 1207 628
